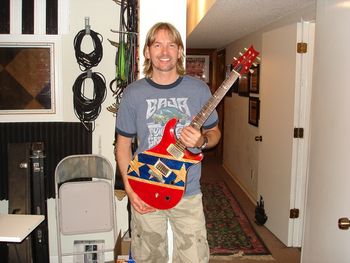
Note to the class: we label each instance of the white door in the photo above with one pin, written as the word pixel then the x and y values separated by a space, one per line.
pixel 285 99
pixel 329 177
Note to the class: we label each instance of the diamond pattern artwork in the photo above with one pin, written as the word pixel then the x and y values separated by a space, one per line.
pixel 25 78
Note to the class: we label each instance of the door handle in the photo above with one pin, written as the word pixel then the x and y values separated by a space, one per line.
pixel 344 223
pixel 258 138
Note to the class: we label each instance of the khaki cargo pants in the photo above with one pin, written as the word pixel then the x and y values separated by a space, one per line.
pixel 149 234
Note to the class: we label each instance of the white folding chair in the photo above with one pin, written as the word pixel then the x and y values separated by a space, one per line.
pixel 85 209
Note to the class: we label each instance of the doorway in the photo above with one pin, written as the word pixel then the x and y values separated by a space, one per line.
pixel 216 77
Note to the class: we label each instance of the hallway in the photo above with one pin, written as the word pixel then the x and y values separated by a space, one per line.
pixel 281 253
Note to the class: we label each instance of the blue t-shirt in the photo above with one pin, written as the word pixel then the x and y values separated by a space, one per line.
pixel 146 107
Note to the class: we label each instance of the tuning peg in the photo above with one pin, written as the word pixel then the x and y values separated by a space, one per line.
pixel 245 49
pixel 258 58
pixel 255 65
pixel 234 58
pixel 251 71
pixel 240 53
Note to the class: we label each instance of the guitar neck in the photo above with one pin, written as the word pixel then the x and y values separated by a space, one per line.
pixel 213 102
pixel 240 66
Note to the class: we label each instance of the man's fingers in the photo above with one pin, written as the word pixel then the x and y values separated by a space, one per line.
pixel 142 207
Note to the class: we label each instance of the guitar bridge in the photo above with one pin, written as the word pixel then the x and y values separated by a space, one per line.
pixel 175 151
pixel 157 176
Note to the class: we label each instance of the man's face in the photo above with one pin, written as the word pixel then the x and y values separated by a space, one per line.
pixel 163 53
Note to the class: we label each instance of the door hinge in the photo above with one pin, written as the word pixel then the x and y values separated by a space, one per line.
pixel 294 213
pixel 298 132
pixel 301 47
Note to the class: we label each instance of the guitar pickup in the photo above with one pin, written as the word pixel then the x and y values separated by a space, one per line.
pixel 162 168
pixel 175 151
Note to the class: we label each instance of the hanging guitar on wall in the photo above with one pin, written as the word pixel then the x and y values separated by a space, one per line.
pixel 158 175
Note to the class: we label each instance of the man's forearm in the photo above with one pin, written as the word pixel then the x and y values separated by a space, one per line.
pixel 123 157
pixel 213 135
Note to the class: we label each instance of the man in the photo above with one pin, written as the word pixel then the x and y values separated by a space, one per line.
pixel 146 105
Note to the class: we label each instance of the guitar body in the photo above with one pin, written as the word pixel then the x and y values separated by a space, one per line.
pixel 158 175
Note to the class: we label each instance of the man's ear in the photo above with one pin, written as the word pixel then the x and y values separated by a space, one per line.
pixel 147 55
pixel 180 52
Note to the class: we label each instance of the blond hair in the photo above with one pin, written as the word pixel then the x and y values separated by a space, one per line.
pixel 150 39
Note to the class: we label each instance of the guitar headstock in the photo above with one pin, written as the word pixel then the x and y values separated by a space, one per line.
pixel 244 62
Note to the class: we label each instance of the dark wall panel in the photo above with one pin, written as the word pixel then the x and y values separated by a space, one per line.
pixel 28 17
pixel 4 16
pixel 61 139
pixel 51 17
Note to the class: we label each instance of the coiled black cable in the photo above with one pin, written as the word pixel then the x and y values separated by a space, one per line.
pixel 87 61
pixel 87 109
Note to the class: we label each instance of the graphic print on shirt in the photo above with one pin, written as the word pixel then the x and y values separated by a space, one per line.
pixel 159 111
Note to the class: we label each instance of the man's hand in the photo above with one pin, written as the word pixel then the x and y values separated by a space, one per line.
pixel 139 205
pixel 191 137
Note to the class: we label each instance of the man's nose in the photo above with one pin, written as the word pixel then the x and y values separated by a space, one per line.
pixel 165 50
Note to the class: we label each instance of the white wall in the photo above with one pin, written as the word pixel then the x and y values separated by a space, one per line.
pixel 103 17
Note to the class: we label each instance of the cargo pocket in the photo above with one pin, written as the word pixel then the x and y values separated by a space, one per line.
pixel 202 247
pixel 138 248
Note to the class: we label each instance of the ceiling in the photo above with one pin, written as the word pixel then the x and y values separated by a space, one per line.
pixel 229 20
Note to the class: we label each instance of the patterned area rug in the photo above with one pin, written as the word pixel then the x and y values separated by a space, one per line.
pixel 230 234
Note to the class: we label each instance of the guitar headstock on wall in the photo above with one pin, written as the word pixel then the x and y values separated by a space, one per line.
pixel 245 61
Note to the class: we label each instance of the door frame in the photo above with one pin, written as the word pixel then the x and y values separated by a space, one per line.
pixel 302 114
pixel 216 77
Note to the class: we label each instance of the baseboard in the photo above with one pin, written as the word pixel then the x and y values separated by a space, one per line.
pixel 238 182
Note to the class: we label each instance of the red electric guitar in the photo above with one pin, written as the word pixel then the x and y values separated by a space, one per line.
pixel 158 175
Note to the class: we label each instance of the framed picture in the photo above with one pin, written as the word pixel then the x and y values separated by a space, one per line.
pixel 198 66
pixel 254 80
pixel 27 78
pixel 243 86
pixel 254 111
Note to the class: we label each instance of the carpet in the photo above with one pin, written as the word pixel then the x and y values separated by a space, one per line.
pixel 230 234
